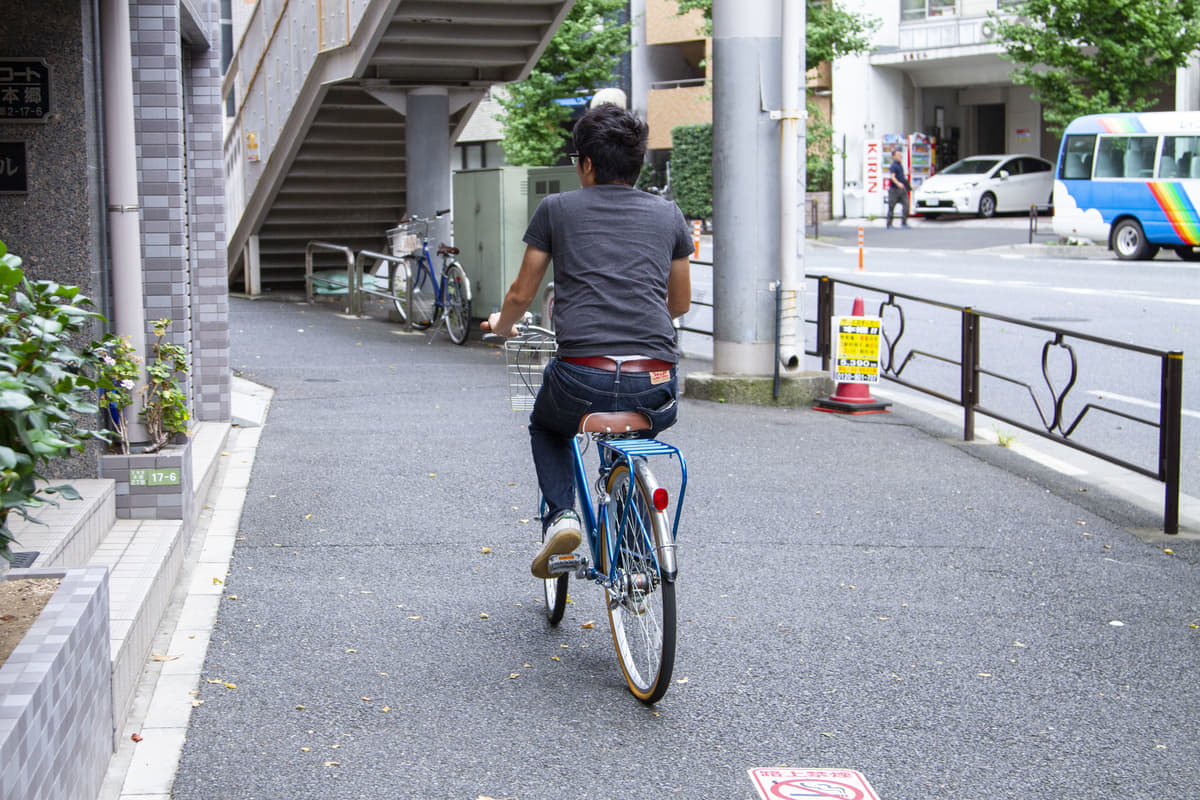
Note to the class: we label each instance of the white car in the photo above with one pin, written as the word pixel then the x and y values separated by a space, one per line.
pixel 986 185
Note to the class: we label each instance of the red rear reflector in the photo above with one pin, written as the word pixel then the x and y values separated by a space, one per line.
pixel 661 499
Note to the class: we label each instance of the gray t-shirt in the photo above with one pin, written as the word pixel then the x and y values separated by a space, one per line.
pixel 612 247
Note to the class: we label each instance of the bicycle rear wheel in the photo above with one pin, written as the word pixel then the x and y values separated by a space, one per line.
pixel 423 297
pixel 641 605
pixel 457 303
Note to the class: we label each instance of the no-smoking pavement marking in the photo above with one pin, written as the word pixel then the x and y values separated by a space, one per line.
pixel 811 784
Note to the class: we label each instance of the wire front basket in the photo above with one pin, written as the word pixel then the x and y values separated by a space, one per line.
pixel 526 357
pixel 406 237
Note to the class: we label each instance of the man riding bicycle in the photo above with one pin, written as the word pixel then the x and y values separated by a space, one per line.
pixel 621 274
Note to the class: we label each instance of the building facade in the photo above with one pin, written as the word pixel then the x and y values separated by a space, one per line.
pixel 165 237
pixel 936 69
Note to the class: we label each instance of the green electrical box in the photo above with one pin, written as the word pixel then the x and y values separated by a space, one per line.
pixel 492 208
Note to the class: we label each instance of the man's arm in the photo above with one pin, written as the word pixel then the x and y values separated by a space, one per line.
pixel 679 287
pixel 520 294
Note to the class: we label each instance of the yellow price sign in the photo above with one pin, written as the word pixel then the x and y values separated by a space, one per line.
pixel 856 349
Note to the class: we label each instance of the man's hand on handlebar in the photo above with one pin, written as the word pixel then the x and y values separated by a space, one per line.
pixel 488 326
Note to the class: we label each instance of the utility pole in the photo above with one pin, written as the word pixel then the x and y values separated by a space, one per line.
pixel 758 204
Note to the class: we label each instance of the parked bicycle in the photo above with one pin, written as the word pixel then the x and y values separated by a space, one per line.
pixel 630 537
pixel 419 294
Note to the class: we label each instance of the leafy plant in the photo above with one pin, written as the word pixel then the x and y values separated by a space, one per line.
pixel 164 406
pixel 581 58
pixel 44 388
pixel 1094 56
pixel 691 170
pixel 116 375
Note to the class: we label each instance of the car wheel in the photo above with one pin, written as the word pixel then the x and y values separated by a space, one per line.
pixel 1129 241
pixel 1187 253
pixel 987 205
pixel 927 215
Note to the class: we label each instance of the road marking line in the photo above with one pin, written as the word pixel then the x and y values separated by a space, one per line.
pixel 1136 401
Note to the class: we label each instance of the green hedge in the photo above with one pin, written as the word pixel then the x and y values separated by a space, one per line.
pixel 691 170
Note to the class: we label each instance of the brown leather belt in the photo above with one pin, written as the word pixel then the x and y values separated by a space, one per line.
pixel 608 364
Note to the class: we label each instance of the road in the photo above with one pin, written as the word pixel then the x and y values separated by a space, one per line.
pixel 987 265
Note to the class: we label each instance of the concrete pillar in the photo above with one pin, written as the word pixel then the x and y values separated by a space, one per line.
pixel 120 160
pixel 746 53
pixel 428 145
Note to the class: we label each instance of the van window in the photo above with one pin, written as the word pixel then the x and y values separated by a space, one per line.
pixel 1179 157
pixel 1077 157
pixel 1126 156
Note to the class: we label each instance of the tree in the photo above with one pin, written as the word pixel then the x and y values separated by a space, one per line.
pixel 1092 56
pixel 581 58
pixel 830 30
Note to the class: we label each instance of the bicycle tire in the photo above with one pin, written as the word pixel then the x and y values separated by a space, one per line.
pixel 554 589
pixel 398 287
pixel 643 619
pixel 457 308
pixel 423 297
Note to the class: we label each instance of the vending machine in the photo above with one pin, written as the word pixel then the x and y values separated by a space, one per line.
pixel 921 161
pixel 916 154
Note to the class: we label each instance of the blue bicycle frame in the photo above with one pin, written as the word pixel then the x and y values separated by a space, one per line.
pixel 426 262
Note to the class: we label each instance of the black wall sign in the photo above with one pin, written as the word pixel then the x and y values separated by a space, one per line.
pixel 24 90
pixel 14 171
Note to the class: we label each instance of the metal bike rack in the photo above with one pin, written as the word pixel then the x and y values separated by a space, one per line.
pixel 394 263
pixel 310 279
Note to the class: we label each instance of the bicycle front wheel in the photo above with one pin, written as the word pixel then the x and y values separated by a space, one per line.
pixel 458 303
pixel 398 287
pixel 641 604
pixel 422 297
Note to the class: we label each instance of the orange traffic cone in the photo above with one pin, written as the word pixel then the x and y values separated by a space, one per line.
pixel 853 398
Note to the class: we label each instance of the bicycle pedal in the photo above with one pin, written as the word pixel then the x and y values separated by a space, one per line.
pixel 566 563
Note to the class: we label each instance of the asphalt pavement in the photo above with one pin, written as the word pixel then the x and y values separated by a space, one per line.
pixel 863 592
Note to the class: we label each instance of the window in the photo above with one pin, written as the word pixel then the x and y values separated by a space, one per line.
pixel 1179 157
pixel 920 9
pixel 1126 156
pixel 1077 157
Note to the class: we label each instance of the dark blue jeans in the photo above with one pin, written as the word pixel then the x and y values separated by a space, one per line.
pixel 568 393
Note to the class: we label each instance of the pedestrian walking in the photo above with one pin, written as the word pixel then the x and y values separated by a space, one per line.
pixel 898 189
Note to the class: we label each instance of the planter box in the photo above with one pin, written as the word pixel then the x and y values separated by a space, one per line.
pixel 153 485
pixel 56 711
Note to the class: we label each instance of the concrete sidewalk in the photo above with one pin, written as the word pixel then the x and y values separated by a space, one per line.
pixel 952 620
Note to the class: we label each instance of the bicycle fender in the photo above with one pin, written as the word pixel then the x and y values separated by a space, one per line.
pixel 664 543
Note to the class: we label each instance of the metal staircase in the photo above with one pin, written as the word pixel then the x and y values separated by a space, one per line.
pixel 315 148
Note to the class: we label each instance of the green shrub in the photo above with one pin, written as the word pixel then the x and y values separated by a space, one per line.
pixel 44 388
pixel 692 171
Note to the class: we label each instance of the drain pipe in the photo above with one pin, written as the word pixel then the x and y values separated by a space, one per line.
pixel 120 160
pixel 791 176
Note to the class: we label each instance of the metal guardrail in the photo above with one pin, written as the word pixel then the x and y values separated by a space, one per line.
pixel 1054 422
pixel 695 302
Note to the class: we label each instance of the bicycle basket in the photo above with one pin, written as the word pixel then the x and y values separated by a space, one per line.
pixel 526 357
pixel 404 239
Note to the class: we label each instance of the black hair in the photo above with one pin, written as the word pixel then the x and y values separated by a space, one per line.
pixel 615 140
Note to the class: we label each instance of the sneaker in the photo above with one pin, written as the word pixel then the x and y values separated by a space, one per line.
pixel 562 537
